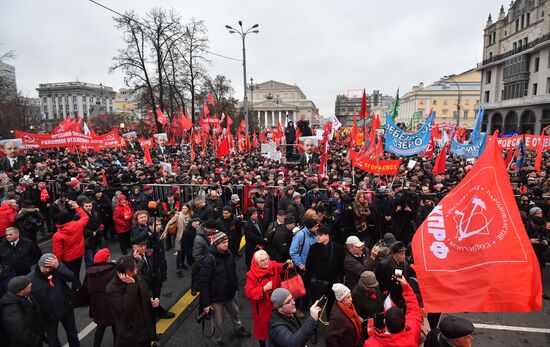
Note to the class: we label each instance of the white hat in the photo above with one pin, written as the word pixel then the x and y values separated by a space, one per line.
pixel 354 240
pixel 340 291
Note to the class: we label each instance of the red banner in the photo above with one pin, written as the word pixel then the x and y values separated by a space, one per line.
pixel 531 142
pixel 380 167
pixel 69 138
pixel 472 253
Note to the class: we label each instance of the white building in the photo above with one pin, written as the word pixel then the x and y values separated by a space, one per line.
pixel 75 98
pixel 7 77
pixel 272 102
pixel 515 84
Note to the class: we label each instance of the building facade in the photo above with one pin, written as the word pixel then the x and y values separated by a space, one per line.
pixel 76 99
pixel 272 102
pixel 515 89
pixel 7 77
pixel 446 97
pixel 127 103
pixel 349 104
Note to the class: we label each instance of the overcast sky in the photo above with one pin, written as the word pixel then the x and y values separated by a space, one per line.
pixel 325 47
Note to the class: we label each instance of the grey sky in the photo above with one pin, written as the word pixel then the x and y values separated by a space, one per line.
pixel 325 47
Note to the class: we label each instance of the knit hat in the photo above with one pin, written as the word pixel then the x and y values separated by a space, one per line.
pixel 389 239
pixel 278 297
pixel 397 247
pixel 340 291
pixel 534 210
pixel 44 257
pixel 63 218
pixel 17 284
pixel 310 223
pixel 210 224
pixel 296 195
pixel 220 237
pixel 102 255
pixel 368 279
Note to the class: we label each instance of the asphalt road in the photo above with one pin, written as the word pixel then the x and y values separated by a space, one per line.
pixel 493 329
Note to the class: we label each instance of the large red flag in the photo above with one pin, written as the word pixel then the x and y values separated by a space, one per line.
pixel 363 113
pixel 205 110
pixel 223 149
pixel 472 253
pixel 147 157
pixel 211 99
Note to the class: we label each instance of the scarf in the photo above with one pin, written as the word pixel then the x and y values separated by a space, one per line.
pixel 350 312
pixel 44 195
pixel 128 212
pixel 259 272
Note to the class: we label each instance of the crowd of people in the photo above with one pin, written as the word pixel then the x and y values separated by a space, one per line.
pixel 346 234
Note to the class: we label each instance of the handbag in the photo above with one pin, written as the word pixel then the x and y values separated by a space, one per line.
pixel 295 284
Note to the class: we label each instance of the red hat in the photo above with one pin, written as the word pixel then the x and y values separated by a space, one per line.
pixel 122 196
pixel 147 187
pixel 74 183
pixel 102 256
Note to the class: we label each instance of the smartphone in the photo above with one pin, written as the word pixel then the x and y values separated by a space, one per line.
pixel 398 273
pixel 322 300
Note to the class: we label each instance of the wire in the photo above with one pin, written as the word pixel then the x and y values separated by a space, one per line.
pixel 124 16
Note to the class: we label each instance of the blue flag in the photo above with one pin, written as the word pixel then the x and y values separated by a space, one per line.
pixel 404 144
pixel 467 150
pixel 521 153
pixel 476 130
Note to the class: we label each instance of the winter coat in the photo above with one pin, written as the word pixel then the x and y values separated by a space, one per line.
pixel 368 306
pixel 355 266
pixel 132 311
pixel 68 241
pixel 181 220
pixel 232 228
pixel 93 289
pixel 201 244
pixel 22 319
pixel 298 211
pixel 340 331
pixel 320 266
pixel 254 239
pixel 262 307
pixel 299 248
pixel 288 332
pixel 7 218
pixel 411 335
pixel 218 277
pixel 25 254
pixel 122 218
pixel 384 273
pixel 93 225
pixel 6 274
pixel 56 301
pixel 280 244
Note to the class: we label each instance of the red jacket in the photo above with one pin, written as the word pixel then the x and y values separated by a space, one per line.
pixel 68 241
pixel 262 307
pixel 410 336
pixel 7 218
pixel 123 219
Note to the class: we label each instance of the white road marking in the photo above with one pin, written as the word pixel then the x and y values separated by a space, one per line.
pixel 82 334
pixel 511 328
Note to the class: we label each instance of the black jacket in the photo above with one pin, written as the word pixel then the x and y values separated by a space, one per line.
pixel 21 317
pixel 280 244
pixel 54 302
pixel 384 272
pixel 288 332
pixel 320 266
pixel 254 238
pixel 93 292
pixel 218 277
pixel 91 241
pixel 132 311
pixel 25 254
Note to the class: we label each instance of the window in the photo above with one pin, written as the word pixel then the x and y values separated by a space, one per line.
pixel 525 41
pixel 515 46
pixel 523 21
pixel 488 77
pixel 74 99
pixel 536 63
pixel 517 25
pixel 548 85
pixel 528 19
pixel 490 55
pixel 445 102
pixel 435 101
pixel 486 96
pixel 465 114
pixel 535 88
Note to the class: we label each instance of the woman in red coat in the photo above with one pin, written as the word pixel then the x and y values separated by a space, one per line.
pixel 262 279
pixel 122 218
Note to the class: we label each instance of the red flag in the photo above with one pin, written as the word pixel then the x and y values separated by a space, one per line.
pixel 204 125
pixel 363 113
pixel 62 126
pixel 211 99
pixel 354 128
pixel 440 162
pixel 185 121
pixel 161 118
pixel 242 127
pixel 472 253
pixel 509 157
pixel 192 152
pixel 538 159
pixel 205 110
pixel 254 140
pixel 431 145
pixel 223 149
pixel 103 179
pixel 229 121
pixel 147 157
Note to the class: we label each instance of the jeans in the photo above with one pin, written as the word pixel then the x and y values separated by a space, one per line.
pixel 232 310
pixel 69 325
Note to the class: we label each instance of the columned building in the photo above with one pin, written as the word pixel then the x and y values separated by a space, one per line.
pixel 272 102
pixel 75 98
pixel 515 88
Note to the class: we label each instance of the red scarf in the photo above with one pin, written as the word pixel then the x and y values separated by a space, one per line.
pixel 128 212
pixel 260 273
pixel 350 312
pixel 44 195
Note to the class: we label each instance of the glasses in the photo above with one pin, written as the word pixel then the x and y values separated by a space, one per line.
pixel 291 301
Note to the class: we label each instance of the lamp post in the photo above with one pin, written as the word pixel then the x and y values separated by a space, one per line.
pixel 252 86
pixel 450 78
pixel 243 34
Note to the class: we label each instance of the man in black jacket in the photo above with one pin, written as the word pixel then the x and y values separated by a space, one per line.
pixel 20 315
pixel 92 233
pixel 218 285
pixel 18 252
pixel 279 247
pixel 385 270
pixel 231 226
pixel 254 234
pixel 54 298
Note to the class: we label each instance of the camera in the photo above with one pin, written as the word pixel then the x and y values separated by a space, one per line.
pixel 203 316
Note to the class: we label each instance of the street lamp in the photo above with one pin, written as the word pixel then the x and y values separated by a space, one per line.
pixel 450 78
pixel 243 34
pixel 252 86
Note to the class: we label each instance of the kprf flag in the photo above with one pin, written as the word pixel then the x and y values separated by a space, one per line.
pixel 161 118
pixel 472 253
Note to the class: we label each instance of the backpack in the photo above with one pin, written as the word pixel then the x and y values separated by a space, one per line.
pixel 196 271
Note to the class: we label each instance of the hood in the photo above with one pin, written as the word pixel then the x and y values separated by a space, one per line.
pixel 9 298
pixel 402 338
pixel 99 269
